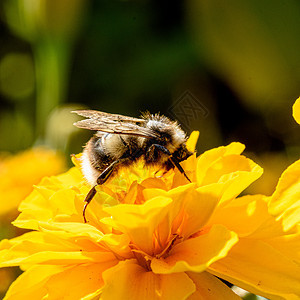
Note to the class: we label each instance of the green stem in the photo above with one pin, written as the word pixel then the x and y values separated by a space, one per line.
pixel 51 63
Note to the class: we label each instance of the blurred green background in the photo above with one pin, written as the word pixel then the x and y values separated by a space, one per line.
pixel 230 69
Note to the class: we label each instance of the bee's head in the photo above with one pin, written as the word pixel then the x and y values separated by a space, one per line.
pixel 169 132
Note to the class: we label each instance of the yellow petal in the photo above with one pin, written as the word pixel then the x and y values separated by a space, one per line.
pixel 296 110
pixel 196 254
pixel 249 217
pixel 208 287
pixel 189 166
pixel 44 204
pixel 154 183
pixel 62 202
pixel 71 178
pixel 192 141
pixel 40 248
pixel 33 208
pixel 210 157
pixel 73 229
pixel 285 202
pixel 119 244
pixel 203 163
pixel 256 266
pixel 173 219
pixel 128 280
pixel 198 208
pixel 76 160
pixel 95 210
pixel 243 215
pixel 139 221
pixel 31 284
pixel 51 282
pixel 85 281
pixel 236 171
pixel 288 245
pixel 49 200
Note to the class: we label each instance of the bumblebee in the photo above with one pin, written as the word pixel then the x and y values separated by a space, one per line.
pixel 120 141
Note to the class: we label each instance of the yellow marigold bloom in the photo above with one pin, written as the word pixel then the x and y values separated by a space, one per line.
pixel 18 173
pixel 154 237
pixel 296 110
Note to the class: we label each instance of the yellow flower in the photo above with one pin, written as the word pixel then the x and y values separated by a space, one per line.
pixel 154 237
pixel 296 110
pixel 20 172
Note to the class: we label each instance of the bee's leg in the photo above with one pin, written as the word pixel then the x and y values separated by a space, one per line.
pixel 175 162
pixel 108 171
pixel 100 180
pixel 164 172
pixel 88 199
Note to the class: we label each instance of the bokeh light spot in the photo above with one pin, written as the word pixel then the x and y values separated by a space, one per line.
pixel 16 76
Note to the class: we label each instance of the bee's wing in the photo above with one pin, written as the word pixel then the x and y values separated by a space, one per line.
pixel 112 123
pixel 99 115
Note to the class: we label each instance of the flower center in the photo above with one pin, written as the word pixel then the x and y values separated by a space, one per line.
pixel 144 259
